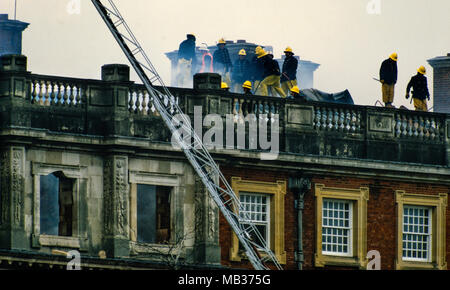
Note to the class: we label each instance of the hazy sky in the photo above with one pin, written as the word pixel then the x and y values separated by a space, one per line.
pixel 341 35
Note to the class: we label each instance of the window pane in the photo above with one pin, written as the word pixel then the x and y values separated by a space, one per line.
pixel 49 204
pixel 416 238
pixel 146 213
pixel 336 226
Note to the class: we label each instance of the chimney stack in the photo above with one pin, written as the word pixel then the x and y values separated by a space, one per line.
pixel 441 83
pixel 11 35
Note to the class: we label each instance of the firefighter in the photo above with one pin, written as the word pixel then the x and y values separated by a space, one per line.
pixel 256 68
pixel 186 61
pixel 247 87
pixel 271 76
pixel 224 86
pixel 222 62
pixel 240 72
pixel 295 92
pixel 420 92
pixel 388 78
pixel 289 73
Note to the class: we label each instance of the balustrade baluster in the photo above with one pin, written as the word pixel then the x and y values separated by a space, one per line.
pixel 318 117
pixel 41 93
pixel 71 95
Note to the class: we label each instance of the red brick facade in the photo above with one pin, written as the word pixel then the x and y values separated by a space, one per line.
pixel 381 216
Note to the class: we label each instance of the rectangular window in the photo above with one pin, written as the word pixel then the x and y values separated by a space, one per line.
pixel 153 213
pixel 337 227
pixel 416 233
pixel 257 210
pixel 57 214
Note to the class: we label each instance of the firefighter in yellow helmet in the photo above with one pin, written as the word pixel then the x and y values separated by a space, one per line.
pixel 247 87
pixel 256 68
pixel 224 86
pixel 420 92
pixel 222 61
pixel 240 71
pixel 271 76
pixel 289 72
pixel 388 78
pixel 295 92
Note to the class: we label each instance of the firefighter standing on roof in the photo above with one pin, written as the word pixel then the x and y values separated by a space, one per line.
pixel 222 61
pixel 289 75
pixel 256 68
pixel 240 72
pixel 271 76
pixel 388 78
pixel 419 85
pixel 186 61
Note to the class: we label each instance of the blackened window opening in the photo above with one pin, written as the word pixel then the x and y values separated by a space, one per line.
pixel 153 214
pixel 56 205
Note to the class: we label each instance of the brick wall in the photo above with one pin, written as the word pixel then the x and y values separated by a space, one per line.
pixel 381 216
pixel 290 218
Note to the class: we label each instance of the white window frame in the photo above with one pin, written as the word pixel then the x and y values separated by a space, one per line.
pixel 350 229
pixel 268 221
pixel 430 233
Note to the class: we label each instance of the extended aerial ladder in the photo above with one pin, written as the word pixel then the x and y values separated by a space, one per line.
pixel 165 103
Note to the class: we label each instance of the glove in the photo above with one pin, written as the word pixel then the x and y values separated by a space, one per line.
pixel 382 81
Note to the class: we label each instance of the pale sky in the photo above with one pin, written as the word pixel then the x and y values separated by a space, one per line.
pixel 341 35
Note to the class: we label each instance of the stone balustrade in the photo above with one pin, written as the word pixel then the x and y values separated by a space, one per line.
pixel 119 107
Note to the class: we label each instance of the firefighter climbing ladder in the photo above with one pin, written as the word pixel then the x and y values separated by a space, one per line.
pixel 197 154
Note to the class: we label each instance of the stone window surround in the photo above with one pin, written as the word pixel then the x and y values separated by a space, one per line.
pixel 72 172
pixel 277 192
pixel 359 197
pixel 438 204
pixel 158 179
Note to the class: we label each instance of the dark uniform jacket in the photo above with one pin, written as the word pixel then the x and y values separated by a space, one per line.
pixel 271 66
pixel 240 72
pixel 388 72
pixel 420 87
pixel 256 69
pixel 289 69
pixel 187 50
pixel 222 60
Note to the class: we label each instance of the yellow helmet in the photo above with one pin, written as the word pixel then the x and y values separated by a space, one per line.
pixel 261 53
pixel 222 41
pixel 242 52
pixel 394 56
pixel 422 70
pixel 289 49
pixel 257 49
pixel 295 89
pixel 247 85
pixel 224 85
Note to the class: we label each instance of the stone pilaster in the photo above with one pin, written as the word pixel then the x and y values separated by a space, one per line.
pixel 116 206
pixel 15 92
pixel 12 218
pixel 206 247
